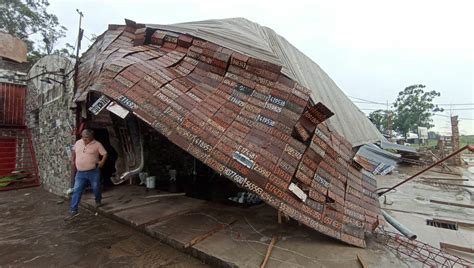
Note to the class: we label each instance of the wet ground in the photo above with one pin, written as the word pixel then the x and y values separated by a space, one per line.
pixel 34 234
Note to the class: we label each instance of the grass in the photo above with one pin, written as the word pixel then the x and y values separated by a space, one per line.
pixel 463 141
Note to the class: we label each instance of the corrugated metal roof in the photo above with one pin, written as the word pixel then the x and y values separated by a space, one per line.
pixel 262 42
pixel 393 146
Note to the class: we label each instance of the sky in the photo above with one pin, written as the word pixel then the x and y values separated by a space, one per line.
pixel 371 49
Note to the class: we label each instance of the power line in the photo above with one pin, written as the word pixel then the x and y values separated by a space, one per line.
pixel 461 118
pixel 369 101
pixel 360 100
pixel 454 104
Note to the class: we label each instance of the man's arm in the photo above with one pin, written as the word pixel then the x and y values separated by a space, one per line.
pixel 73 159
pixel 103 153
pixel 102 161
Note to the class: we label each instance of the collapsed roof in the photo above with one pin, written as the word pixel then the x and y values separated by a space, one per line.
pixel 243 116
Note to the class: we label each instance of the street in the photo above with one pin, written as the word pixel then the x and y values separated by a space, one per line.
pixel 34 234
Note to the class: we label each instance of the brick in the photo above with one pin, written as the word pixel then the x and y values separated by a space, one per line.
pixel 239 59
pixel 264 65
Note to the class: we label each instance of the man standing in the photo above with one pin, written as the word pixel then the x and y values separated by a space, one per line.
pixel 85 157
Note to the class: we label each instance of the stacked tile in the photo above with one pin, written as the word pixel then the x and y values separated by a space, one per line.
pixel 246 120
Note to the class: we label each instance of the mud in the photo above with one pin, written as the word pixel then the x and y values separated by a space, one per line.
pixel 34 234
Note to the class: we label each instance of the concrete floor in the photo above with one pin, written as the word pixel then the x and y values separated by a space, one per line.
pixel 178 220
pixel 34 234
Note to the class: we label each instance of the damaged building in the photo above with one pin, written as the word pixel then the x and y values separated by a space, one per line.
pixel 220 105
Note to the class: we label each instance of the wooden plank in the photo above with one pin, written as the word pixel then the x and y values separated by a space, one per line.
pixel 362 261
pixel 451 203
pixel 269 251
pixel 200 238
pixel 455 247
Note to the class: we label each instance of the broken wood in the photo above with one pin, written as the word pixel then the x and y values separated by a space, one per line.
pixel 362 261
pixel 455 247
pixel 164 195
pixel 470 148
pixel 451 203
pixel 200 238
pixel 437 159
pixel 269 251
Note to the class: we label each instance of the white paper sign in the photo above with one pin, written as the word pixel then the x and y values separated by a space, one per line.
pixel 117 109
pixel 298 192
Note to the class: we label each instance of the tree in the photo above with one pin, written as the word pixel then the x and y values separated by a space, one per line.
pixel 379 119
pixel 24 18
pixel 414 108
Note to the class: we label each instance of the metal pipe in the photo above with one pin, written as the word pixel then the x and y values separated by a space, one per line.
pixel 402 229
pixel 471 148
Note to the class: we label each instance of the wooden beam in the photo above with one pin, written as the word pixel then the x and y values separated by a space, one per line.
pixel 362 261
pixel 451 203
pixel 269 251
pixel 200 238
pixel 455 247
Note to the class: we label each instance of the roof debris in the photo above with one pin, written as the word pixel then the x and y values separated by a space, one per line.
pixel 242 117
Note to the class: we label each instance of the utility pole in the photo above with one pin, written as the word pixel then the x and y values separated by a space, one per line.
pixel 455 139
pixel 389 123
pixel 80 33
pixel 77 109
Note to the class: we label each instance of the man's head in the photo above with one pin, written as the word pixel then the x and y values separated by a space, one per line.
pixel 87 135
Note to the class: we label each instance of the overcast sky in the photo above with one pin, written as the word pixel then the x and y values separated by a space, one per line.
pixel 371 49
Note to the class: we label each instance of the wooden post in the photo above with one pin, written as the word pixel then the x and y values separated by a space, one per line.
pixel 269 250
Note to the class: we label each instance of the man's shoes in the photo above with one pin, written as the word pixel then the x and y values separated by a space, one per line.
pixel 98 204
pixel 71 216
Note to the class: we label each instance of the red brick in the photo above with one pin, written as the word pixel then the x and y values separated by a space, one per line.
pixel 185 40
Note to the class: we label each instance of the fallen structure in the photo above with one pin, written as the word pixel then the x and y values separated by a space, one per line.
pixel 242 116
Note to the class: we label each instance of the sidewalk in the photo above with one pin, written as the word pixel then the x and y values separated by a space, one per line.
pixel 230 236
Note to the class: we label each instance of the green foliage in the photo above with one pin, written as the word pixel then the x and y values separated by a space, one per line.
pixel 24 18
pixel 379 119
pixel 414 108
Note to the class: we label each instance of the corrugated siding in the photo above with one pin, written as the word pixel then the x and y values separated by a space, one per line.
pixel 12 104
pixel 261 42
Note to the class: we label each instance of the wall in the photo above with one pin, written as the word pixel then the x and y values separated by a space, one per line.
pixel 51 120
